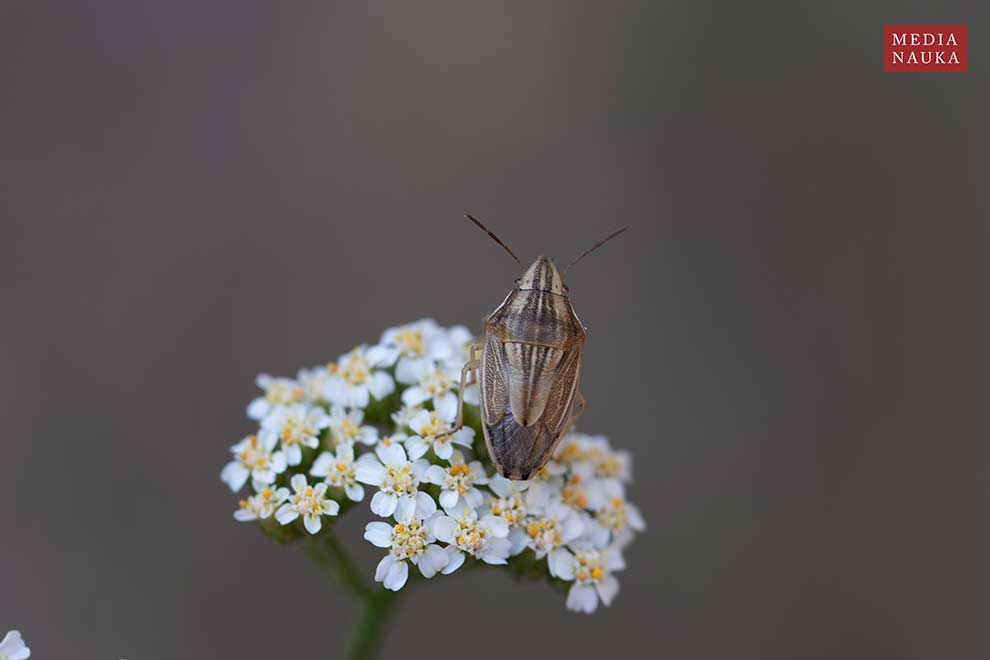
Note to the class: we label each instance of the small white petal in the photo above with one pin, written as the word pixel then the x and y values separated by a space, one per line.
pixel 608 588
pixel 425 506
pixel 268 437
pixel 443 450
pixel 379 534
pixel 12 642
pixel 405 509
pixel 368 436
pixel 498 527
pixel 322 464
pixel 582 598
pixel 391 454
pixel 417 447
pixel 435 474
pixel 474 499
pixel 355 492
pixel 298 483
pixel 369 471
pixel 397 574
pixel 263 476
pixel 443 528
pixel 234 475
pixel 383 504
pixel 286 514
pixel 381 386
pixel 278 462
pixel 635 517
pixel 613 559
pixel 444 404
pixel 561 564
pixel 497 551
pixel 382 569
pixel 434 559
pixel 257 409
pixel 455 558
pixel 464 437
pixel 312 523
pixel 448 498
pixel 446 407
pixel 519 541
pixel 415 396
pixel 410 371
pixel 573 527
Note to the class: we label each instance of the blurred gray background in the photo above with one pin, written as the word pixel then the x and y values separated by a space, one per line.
pixel 791 337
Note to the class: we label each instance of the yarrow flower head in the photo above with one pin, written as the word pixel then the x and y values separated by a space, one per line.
pixel 591 571
pixel 339 471
pixel 410 539
pixel 278 392
pixel 431 429
pixel 380 417
pixel 309 502
pixel 352 381
pixel 346 427
pixel 295 427
pixel 457 481
pixel 396 477
pixel 467 533
pixel 253 458
pixel 261 505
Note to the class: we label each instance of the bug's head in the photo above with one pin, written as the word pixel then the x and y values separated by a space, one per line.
pixel 543 275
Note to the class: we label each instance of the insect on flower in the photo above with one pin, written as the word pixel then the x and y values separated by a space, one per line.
pixel 529 364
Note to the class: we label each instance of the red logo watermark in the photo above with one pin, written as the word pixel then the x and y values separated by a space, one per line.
pixel 924 48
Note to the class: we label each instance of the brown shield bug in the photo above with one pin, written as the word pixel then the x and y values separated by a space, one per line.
pixel 529 358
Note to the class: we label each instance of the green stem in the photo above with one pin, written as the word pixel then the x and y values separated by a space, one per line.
pixel 377 604
pixel 329 554
pixel 370 631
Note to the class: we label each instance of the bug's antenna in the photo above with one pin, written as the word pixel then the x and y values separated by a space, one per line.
pixel 494 237
pixel 595 247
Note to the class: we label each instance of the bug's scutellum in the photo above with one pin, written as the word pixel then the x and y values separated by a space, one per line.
pixel 529 358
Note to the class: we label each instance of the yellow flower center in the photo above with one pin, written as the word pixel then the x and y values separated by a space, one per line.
pixel 295 431
pixel 436 382
pixel 470 536
pixel 509 509
pixel 545 533
pixel 408 540
pixel 590 568
pixel 574 494
pixel 410 342
pixel 255 456
pixel 459 478
pixel 354 369
pixel 614 516
pixel 307 503
pixel 283 393
pixel 400 481
pixel 433 428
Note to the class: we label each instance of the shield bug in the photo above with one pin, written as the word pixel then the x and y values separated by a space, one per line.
pixel 528 361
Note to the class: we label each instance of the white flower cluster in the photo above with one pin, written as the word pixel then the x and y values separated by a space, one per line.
pixel 376 418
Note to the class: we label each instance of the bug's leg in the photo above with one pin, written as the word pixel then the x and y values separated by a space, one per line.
pixel 580 402
pixel 470 370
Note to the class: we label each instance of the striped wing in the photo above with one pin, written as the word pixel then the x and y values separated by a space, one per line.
pixel 525 409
